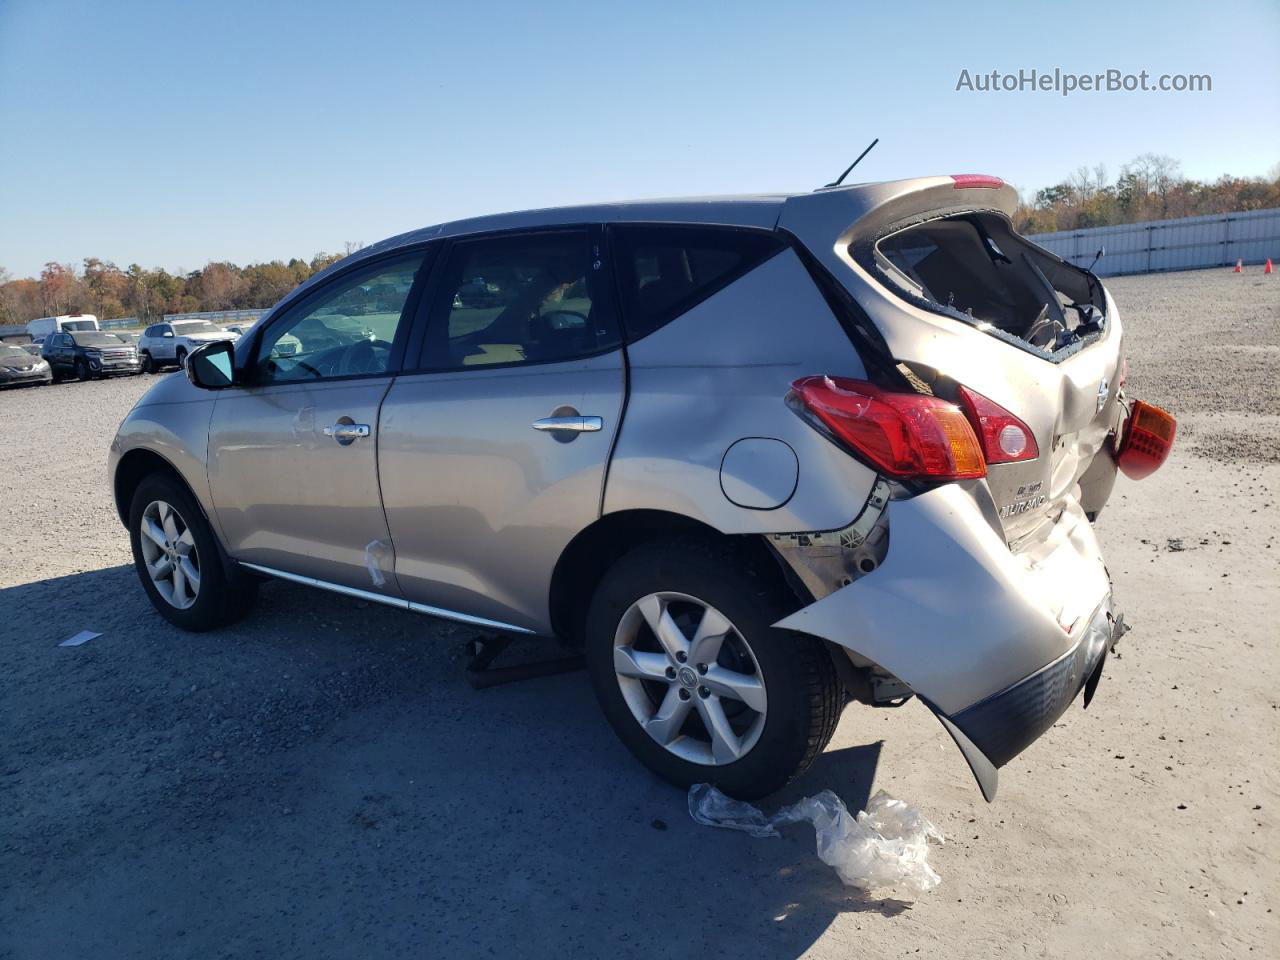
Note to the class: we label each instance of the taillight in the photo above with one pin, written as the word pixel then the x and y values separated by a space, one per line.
pixel 1146 441
pixel 903 435
pixel 1004 438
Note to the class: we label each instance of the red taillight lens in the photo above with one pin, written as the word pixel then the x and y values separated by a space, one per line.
pixel 1146 441
pixel 1004 438
pixel 902 434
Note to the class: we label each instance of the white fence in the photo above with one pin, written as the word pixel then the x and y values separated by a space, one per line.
pixel 1216 240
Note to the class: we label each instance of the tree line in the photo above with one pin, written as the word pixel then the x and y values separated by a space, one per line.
pixel 1149 187
pixel 105 290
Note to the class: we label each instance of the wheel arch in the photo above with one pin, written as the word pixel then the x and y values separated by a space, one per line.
pixel 596 547
pixel 138 464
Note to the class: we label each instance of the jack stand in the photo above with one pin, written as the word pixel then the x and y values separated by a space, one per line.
pixel 482 674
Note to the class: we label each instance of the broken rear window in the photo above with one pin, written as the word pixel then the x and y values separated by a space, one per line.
pixel 975 268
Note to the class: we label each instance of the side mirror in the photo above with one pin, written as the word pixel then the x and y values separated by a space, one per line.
pixel 167 333
pixel 212 366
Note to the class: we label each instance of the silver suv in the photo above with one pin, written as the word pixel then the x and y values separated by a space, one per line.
pixel 756 457
pixel 169 343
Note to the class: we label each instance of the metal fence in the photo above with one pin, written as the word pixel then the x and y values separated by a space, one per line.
pixel 215 316
pixel 220 316
pixel 1189 243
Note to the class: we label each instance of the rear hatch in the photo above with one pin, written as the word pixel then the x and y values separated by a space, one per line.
pixel 960 299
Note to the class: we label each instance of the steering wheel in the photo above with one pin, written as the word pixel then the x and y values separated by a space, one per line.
pixel 364 356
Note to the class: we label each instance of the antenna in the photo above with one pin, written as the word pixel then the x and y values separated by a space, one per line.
pixel 840 179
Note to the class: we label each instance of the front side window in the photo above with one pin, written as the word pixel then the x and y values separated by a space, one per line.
pixel 347 329
pixel 664 271
pixel 524 298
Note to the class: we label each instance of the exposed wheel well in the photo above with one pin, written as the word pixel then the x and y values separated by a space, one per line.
pixel 585 560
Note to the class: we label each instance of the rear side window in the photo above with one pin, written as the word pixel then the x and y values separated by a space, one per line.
pixel 518 299
pixel 663 271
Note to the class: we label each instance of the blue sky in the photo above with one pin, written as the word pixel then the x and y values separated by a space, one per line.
pixel 171 134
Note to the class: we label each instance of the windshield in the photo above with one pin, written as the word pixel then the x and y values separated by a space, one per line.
pixel 78 325
pixel 9 350
pixel 188 327
pixel 98 340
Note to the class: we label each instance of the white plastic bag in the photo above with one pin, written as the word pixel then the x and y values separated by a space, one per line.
pixel 885 846
pixel 711 808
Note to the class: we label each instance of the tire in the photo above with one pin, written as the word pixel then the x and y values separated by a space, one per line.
pixel 83 373
pixel 148 365
pixel 802 696
pixel 180 358
pixel 217 600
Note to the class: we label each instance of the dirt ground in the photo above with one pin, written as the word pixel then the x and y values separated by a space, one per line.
pixel 320 781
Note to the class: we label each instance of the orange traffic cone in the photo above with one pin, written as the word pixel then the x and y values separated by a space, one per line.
pixel 1239 267
pixel 1268 268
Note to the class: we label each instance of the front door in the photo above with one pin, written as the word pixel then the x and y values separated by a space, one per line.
pixel 293 452
pixel 493 454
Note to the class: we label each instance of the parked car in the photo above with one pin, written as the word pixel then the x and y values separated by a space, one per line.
pixel 44 326
pixel 19 367
pixel 169 343
pixel 801 450
pixel 86 354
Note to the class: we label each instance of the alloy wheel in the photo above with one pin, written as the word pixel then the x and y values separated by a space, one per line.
pixel 689 678
pixel 169 552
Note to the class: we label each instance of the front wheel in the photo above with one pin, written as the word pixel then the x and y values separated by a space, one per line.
pixel 180 358
pixel 177 558
pixel 694 678
pixel 83 372
pixel 148 365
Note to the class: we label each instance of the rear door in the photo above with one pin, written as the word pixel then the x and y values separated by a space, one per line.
pixel 293 452
pixel 492 454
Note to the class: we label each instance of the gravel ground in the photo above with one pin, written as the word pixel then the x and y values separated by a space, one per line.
pixel 320 781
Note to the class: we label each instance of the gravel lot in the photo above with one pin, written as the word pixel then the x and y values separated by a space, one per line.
pixel 320 781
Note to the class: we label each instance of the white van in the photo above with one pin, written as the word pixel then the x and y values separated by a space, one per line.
pixel 44 326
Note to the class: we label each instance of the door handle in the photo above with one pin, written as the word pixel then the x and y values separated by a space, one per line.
pixel 572 424
pixel 346 433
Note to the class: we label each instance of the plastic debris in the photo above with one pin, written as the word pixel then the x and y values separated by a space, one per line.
pixel 711 808
pixel 84 636
pixel 885 846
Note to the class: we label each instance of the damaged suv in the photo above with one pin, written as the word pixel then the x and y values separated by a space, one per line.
pixel 756 457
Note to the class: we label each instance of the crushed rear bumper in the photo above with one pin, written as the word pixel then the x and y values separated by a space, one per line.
pixel 997 644
pixel 993 731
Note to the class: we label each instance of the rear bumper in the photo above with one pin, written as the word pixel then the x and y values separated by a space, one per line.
pixel 997 644
pixel 994 731
pixel 1006 723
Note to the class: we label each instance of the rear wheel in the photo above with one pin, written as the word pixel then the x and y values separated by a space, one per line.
pixel 695 680
pixel 178 560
